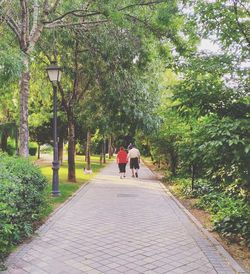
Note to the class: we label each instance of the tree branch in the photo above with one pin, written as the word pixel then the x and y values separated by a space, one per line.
pixel 134 18
pixel 64 102
pixel 61 25
pixel 83 90
pixel 245 8
pixel 241 29
pixel 142 4
pixel 24 24
pixel 72 12
pixel 35 18
pixel 79 12
pixel 76 80
pixel 13 25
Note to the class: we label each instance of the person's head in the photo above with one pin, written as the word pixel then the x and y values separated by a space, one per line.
pixel 121 148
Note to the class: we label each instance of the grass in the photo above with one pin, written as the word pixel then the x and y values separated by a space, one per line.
pixel 67 188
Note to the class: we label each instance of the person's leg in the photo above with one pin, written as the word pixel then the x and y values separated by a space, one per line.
pixel 133 173
pixel 136 167
pixel 124 175
pixel 132 167
pixel 120 170
pixel 123 170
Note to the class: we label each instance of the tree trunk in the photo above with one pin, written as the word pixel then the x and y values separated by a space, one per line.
pixel 193 175
pixel 39 151
pixel 24 94
pixel 88 145
pixel 104 150
pixel 71 150
pixel 159 163
pixel 173 162
pixel 101 154
pixel 16 142
pixel 4 139
pixel 60 150
pixel 110 146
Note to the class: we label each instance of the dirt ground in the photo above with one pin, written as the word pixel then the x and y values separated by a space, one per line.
pixel 240 253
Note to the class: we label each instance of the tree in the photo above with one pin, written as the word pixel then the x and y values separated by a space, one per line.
pixel 27 20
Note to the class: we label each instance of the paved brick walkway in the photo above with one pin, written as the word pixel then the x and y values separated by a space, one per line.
pixel 121 226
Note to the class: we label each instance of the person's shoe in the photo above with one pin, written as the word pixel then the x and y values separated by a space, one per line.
pixel 121 177
pixel 136 175
pixel 133 175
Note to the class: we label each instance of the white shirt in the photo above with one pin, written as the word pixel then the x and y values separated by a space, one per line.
pixel 134 153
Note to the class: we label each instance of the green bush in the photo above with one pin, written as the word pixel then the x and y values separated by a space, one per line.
pixel 231 216
pixel 200 187
pixel 11 149
pixel 32 151
pixel 22 200
pixel 233 219
pixel 46 148
pixel 79 149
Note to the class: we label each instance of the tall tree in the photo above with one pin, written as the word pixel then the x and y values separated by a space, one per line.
pixel 27 20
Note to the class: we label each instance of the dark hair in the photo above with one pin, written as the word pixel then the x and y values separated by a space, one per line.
pixel 121 148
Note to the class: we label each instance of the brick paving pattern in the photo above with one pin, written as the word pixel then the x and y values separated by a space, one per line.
pixel 119 226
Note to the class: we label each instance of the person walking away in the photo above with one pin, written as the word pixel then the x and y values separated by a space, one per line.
pixel 122 159
pixel 134 160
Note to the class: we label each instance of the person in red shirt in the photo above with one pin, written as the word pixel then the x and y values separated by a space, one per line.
pixel 121 160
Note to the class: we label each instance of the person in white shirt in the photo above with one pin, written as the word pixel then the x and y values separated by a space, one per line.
pixel 134 160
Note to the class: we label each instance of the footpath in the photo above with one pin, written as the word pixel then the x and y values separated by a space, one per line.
pixel 116 226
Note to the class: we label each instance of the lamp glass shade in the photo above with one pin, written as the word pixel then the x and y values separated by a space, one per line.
pixel 54 72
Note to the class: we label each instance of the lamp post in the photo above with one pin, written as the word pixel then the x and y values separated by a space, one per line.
pixel 54 73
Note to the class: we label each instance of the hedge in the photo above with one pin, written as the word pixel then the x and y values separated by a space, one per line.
pixel 22 201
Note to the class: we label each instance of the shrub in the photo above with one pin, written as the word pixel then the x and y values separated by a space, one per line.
pixel 46 148
pixel 11 150
pixel 32 151
pixel 22 200
pixel 201 187
pixel 231 216
pixel 79 149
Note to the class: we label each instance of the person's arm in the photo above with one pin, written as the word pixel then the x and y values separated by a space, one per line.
pixel 128 157
pixel 117 158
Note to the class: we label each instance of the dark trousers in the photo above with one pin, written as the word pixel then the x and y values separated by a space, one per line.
pixel 122 167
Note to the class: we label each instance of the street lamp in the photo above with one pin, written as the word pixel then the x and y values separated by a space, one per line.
pixel 54 73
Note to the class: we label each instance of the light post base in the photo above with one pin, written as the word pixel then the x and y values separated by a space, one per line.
pixel 55 193
pixel 55 180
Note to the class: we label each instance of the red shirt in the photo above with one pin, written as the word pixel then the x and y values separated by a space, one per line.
pixel 122 157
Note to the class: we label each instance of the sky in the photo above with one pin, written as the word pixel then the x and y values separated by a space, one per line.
pixel 208 45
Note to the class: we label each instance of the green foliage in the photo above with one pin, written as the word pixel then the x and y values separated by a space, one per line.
pixel 46 148
pixel 79 149
pixel 10 60
pixel 22 200
pixel 230 215
pixel 32 151
pixel 205 120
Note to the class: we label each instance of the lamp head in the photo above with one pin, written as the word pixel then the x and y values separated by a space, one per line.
pixel 54 72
